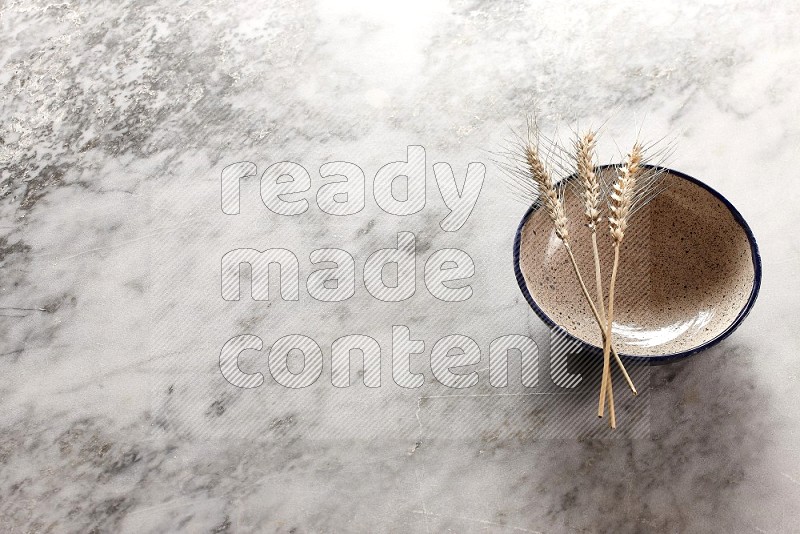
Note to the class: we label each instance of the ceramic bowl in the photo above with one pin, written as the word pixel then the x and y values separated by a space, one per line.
pixel 689 272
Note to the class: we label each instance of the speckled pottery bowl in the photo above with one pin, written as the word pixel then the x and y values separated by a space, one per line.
pixel 689 272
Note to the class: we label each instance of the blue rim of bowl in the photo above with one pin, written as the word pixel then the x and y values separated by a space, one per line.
pixel 664 358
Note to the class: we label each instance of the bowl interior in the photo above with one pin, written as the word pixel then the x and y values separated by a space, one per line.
pixel 687 271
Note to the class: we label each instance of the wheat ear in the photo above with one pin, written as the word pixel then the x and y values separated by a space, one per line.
pixel 619 204
pixel 590 194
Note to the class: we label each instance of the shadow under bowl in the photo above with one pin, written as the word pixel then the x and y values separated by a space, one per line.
pixel 688 275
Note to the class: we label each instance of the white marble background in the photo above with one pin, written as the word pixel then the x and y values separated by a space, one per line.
pixel 116 123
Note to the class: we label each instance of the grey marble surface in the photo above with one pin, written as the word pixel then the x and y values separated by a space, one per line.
pixel 117 120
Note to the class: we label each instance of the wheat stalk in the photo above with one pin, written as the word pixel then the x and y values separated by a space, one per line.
pixel 620 204
pixel 584 147
pixel 554 206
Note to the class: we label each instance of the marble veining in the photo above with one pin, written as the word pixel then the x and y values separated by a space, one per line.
pixel 117 120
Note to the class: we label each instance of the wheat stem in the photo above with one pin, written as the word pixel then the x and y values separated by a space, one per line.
pixel 583 285
pixel 597 278
pixel 612 416
pixel 622 369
